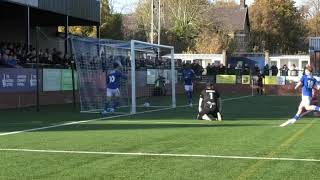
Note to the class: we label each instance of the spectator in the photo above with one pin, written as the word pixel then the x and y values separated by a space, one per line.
pixel 294 71
pixel 274 70
pixel 209 69
pixel 230 70
pixel 246 70
pixel 197 68
pixel 260 83
pixel 238 69
pixel 215 69
pixel 256 69
pixel 284 70
pixel 222 69
pixel 266 71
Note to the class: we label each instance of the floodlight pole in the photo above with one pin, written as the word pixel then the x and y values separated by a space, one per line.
pixel 159 22
pixel 37 70
pixel 151 23
pixel 133 79
pixel 159 26
pixel 28 29
pixel 173 80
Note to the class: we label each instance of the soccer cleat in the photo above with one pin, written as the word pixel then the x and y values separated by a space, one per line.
pixel 290 121
pixel 199 117
pixel 206 117
pixel 190 105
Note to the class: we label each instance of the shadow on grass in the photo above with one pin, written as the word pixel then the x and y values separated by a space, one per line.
pixel 140 126
pixel 255 109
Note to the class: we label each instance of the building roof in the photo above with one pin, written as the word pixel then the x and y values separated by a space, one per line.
pixel 234 18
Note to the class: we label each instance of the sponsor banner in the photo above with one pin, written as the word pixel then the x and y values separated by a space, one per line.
pixel 246 79
pixel 271 80
pixel 275 80
pixel 293 79
pixel 52 79
pixel 226 79
pixel 281 80
pixel 66 80
pixel 18 80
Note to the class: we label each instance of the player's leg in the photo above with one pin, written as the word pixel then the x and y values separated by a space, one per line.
pixel 304 113
pixel 215 113
pixel 108 101
pixel 298 114
pixel 116 99
pixel 219 117
pixel 188 90
pixel 261 90
pixel 203 115
pixel 190 94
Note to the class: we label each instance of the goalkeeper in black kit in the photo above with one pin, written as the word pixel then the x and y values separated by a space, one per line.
pixel 210 104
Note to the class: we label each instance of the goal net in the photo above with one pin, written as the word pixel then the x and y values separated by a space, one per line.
pixel 145 80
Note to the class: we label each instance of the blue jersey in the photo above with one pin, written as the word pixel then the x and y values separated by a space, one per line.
pixel 308 83
pixel 113 79
pixel 188 75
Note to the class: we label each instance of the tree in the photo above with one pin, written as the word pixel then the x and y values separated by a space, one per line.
pixel 311 11
pixel 110 26
pixel 213 42
pixel 180 21
pixel 276 24
pixel 313 7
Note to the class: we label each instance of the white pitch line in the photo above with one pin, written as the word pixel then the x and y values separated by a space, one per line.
pixel 91 120
pixel 166 122
pixel 160 155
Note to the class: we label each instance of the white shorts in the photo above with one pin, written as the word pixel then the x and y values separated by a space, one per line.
pixel 113 92
pixel 306 100
pixel 188 88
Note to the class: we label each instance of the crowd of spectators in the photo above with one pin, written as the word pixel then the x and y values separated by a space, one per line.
pixel 220 69
pixel 17 55
pixel 285 70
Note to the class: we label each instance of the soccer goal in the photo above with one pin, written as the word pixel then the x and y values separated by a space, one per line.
pixel 148 80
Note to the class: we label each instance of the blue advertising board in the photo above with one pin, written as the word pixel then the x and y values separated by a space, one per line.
pixel 18 80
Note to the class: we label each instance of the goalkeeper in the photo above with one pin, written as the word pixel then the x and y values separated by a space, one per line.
pixel 113 79
pixel 210 104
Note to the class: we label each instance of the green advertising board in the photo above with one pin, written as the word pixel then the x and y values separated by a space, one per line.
pixel 226 79
pixel 66 80
pixel 271 80
pixel 51 79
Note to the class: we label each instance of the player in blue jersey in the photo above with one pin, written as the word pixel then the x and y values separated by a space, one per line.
pixel 188 76
pixel 308 83
pixel 113 79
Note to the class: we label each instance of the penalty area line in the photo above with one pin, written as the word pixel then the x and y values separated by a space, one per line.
pixel 160 155
pixel 111 117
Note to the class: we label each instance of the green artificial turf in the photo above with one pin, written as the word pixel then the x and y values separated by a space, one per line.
pixel 250 129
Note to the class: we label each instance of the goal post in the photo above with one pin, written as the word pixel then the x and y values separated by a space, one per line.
pixel 151 76
pixel 133 73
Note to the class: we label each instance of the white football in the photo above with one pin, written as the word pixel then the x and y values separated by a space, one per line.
pixel 146 104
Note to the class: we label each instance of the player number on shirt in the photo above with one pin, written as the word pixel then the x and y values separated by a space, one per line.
pixel 112 79
pixel 310 84
pixel 211 95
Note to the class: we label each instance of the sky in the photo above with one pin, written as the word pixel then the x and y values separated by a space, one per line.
pixel 127 6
